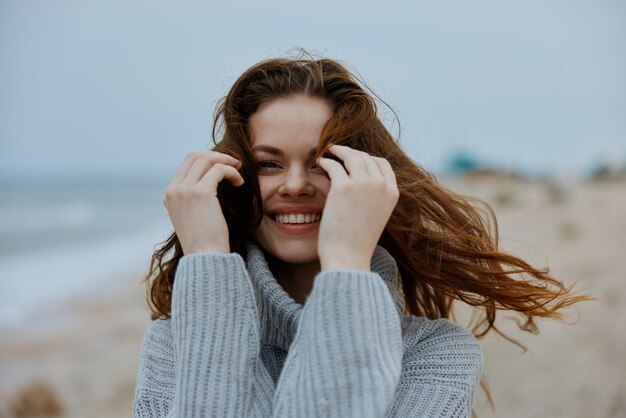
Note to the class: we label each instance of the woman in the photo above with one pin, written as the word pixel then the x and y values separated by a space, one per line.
pixel 314 266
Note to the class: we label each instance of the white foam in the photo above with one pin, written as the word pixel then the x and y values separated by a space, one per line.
pixel 39 280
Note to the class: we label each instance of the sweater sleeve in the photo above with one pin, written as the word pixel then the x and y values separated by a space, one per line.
pixel 154 388
pixel 441 370
pixel 215 346
pixel 354 355
pixel 346 357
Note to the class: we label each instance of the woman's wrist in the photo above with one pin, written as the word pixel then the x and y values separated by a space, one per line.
pixel 211 249
pixel 346 263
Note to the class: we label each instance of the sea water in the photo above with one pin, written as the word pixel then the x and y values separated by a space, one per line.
pixel 60 240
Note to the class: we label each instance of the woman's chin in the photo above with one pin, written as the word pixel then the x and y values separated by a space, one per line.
pixel 294 251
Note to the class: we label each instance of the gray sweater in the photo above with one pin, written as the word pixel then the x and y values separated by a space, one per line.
pixel 237 345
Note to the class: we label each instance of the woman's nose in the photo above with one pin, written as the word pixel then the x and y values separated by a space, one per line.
pixel 297 182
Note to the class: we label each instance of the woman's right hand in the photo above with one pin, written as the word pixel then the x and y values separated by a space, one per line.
pixel 192 203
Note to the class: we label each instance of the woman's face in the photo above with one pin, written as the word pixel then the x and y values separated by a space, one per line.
pixel 285 133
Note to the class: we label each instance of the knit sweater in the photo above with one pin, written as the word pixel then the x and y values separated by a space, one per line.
pixel 237 345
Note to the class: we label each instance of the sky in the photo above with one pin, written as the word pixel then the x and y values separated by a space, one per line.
pixel 125 89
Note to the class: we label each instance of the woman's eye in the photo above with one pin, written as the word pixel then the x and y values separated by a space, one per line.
pixel 267 164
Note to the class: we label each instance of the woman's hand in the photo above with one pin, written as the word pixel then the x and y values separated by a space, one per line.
pixel 192 203
pixel 359 204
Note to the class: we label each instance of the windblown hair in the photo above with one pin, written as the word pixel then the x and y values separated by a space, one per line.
pixel 446 245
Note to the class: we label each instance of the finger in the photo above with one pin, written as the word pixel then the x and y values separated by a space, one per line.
pixel 216 174
pixel 354 163
pixel 371 168
pixel 182 170
pixel 204 162
pixel 335 170
pixel 385 169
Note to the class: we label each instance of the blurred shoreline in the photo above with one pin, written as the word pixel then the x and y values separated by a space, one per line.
pixel 64 240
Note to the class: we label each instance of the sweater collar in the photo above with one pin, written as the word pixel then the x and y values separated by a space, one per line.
pixel 279 314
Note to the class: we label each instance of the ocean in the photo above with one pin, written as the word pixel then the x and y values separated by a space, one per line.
pixel 61 240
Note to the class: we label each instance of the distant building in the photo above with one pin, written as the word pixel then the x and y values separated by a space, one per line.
pixel 461 163
pixel 465 165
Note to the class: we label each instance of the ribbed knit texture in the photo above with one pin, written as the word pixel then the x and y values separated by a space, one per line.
pixel 239 346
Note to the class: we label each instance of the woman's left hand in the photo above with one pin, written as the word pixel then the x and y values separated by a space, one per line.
pixel 358 206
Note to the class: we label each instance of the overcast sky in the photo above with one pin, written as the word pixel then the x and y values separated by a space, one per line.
pixel 127 88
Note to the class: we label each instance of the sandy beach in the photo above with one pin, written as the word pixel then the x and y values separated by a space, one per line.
pixel 81 360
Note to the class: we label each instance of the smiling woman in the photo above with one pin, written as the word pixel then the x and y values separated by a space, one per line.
pixel 317 279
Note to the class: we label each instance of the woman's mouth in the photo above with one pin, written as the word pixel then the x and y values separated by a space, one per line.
pixel 283 223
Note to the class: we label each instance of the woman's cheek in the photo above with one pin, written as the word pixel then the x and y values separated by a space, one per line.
pixel 323 186
pixel 267 187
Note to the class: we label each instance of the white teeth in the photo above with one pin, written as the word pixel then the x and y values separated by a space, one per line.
pixel 299 218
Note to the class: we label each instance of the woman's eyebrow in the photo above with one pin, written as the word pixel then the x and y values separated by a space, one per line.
pixel 276 151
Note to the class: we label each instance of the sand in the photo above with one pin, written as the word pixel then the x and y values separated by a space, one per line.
pixel 81 360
